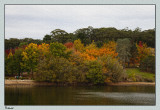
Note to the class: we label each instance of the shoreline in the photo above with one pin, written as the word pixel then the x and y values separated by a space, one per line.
pixel 35 83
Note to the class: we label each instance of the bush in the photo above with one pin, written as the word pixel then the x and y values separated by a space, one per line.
pixel 114 69
pixel 56 69
pixel 81 68
pixel 148 64
pixel 94 74
pixel 44 73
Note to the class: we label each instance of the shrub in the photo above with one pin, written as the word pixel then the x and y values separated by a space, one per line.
pixel 94 74
pixel 132 76
pixel 56 69
pixel 148 64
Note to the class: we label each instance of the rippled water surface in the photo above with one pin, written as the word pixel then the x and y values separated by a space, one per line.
pixel 103 95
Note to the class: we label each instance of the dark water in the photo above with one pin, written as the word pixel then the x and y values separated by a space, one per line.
pixel 104 95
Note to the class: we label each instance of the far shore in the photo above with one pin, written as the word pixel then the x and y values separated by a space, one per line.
pixel 35 83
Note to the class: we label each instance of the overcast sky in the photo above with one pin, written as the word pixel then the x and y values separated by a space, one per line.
pixel 35 21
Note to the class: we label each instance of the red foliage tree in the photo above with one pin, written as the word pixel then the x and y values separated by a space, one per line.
pixel 68 44
pixel 140 44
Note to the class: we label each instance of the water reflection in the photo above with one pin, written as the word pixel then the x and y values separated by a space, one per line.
pixel 126 98
pixel 110 95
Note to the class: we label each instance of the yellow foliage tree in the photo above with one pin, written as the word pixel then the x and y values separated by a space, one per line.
pixel 111 45
pixel 78 46
pixel 91 46
pixel 30 57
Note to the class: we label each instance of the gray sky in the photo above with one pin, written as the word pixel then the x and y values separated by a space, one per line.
pixel 35 21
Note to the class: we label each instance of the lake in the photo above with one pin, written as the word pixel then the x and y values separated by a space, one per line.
pixel 90 95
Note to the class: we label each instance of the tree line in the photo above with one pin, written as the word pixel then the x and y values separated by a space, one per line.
pixel 87 35
pixel 88 55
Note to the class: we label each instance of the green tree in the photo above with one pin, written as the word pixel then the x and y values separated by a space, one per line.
pixel 23 44
pixel 9 64
pixel 106 34
pixel 47 39
pixel 86 35
pixel 59 50
pixel 59 35
pixel 11 43
pixel 148 64
pixel 13 63
pixel 123 49
pixel 18 61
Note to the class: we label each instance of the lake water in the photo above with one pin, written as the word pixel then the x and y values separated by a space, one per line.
pixel 93 95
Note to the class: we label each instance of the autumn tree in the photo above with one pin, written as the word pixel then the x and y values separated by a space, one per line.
pixel 92 52
pixel 44 50
pixel 143 51
pixel 30 57
pixel 110 45
pixel 91 46
pixel 78 45
pixel 69 45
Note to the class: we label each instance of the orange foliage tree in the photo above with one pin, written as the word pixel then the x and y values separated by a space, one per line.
pixel 43 49
pixel 92 52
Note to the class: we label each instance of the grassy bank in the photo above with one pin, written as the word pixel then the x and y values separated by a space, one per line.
pixel 134 74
